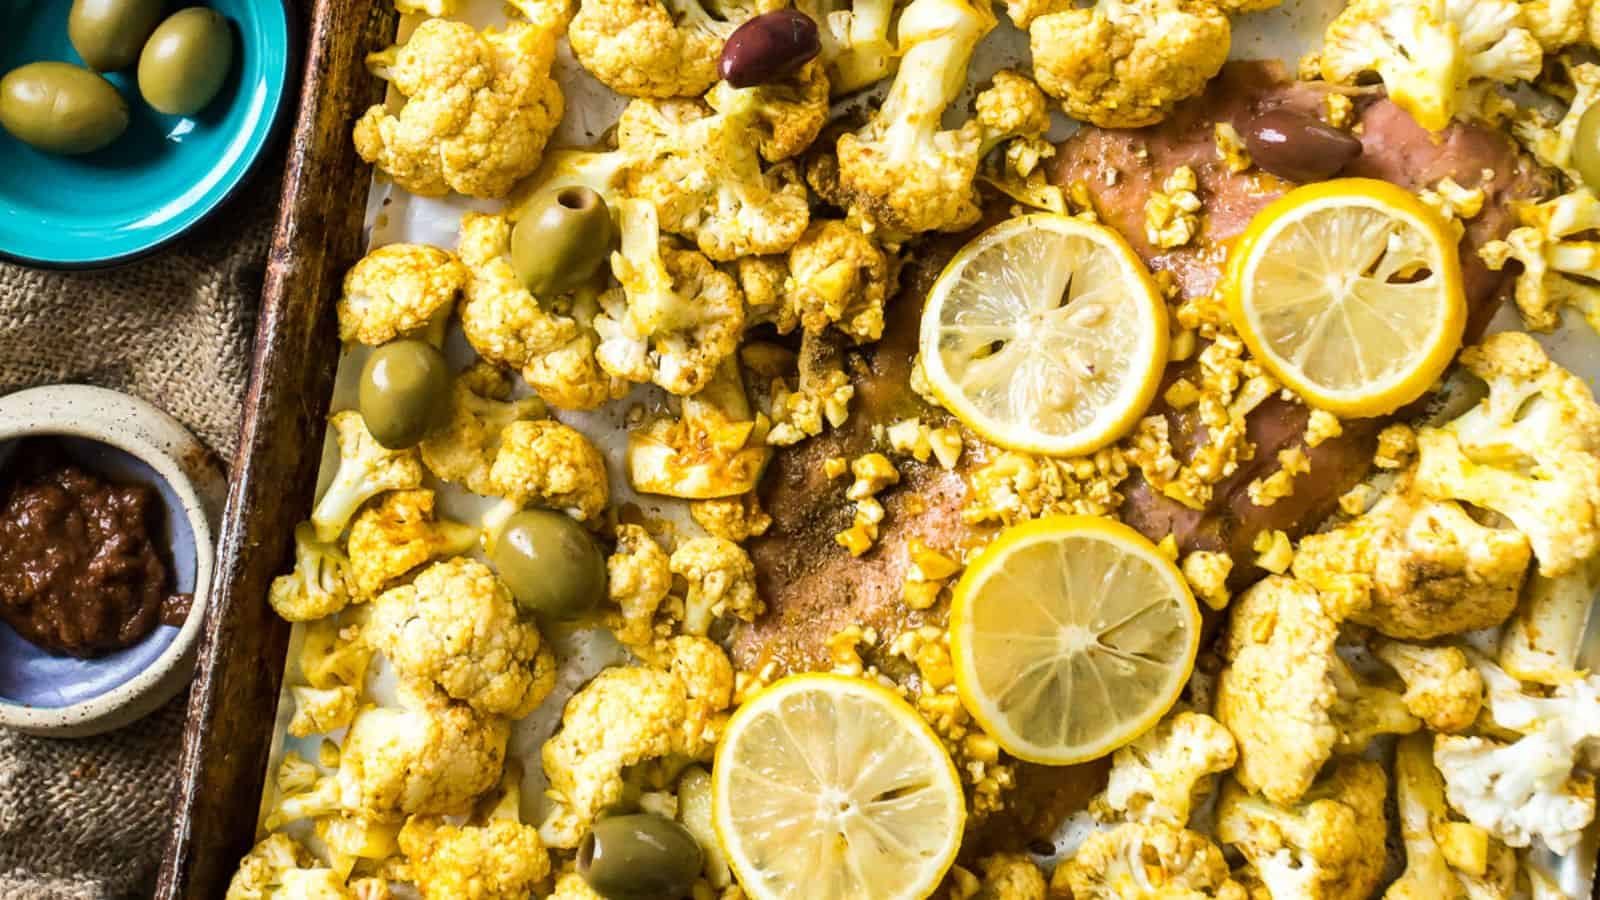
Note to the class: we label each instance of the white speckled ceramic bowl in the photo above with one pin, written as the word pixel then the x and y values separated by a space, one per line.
pixel 128 439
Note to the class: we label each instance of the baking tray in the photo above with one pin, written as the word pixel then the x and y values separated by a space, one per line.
pixel 241 657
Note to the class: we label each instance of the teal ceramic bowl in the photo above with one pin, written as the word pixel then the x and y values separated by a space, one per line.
pixel 167 173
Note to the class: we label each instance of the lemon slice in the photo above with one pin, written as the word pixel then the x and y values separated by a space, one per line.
pixel 1045 334
pixel 827 787
pixel 1349 291
pixel 1071 636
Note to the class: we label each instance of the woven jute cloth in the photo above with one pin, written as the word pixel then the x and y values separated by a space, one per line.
pixel 85 819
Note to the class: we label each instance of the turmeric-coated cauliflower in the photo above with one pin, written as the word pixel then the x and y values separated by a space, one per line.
pixel 456 628
pixel 334 658
pixel 721 582
pixel 1139 861
pixel 1442 687
pixel 856 47
pixel 1161 775
pixel 496 859
pixel 399 290
pixel 1126 63
pixel 423 757
pixel 1559 24
pixel 481 407
pixel 280 868
pixel 1428 567
pixel 837 275
pixel 479 108
pixel 1446 859
pixel 1555 143
pixel 1010 876
pixel 366 469
pixel 550 339
pixel 1428 51
pixel 1559 254
pixel 1328 846
pixel 398 534
pixel 638 578
pixel 675 318
pixel 320 584
pixel 1542 641
pixel 657 48
pixel 545 463
pixel 711 450
pixel 786 115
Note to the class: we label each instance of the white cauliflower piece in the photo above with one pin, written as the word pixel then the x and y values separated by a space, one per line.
pixel 398 534
pixel 1554 143
pixel 280 868
pixel 548 464
pixel 1445 859
pixel 399 290
pixel 320 584
pixel 1160 776
pixel 857 50
pixel 419 758
pixel 479 108
pixel 498 859
pixel 638 578
pixel 711 450
pixel 456 628
pixel 1542 640
pixel 721 582
pixel 657 48
pixel 1518 791
pixel 1138 861
pixel 1559 255
pixel 1442 687
pixel 481 407
pixel 366 469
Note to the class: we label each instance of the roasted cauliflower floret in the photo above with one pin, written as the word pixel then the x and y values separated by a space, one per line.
pixel 1529 451
pixel 423 757
pixel 1288 698
pixel 629 717
pixel 320 584
pixel 1555 142
pixel 1009 876
pixel 481 407
pixel 1160 776
pixel 1428 567
pixel 333 661
pixel 1428 51
pixel 498 859
pixel 1442 687
pixel 479 108
pixel 1126 63
pixel 548 464
pixel 657 48
pixel 638 578
pixel 837 275
pixel 399 290
pixel 711 450
pixel 1138 861
pixel 1559 255
pixel 1446 859
pixel 279 868
pixel 366 469
pixel 456 628
pixel 1558 24
pixel 786 115
pixel 398 534
pixel 1541 642
pixel 856 47
pixel 674 319
pixel 721 582
pixel 1328 846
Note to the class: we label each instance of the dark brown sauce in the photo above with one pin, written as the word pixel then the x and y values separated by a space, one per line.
pixel 84 566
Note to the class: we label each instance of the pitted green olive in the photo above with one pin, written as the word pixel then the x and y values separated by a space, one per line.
pixel 639 857
pixel 550 563
pixel 1586 148
pixel 187 59
pixel 404 392
pixel 109 34
pixel 61 108
pixel 562 240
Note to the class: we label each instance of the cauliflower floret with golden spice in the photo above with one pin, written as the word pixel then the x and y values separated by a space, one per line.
pixel 711 450
pixel 1126 63
pixel 1138 861
pixel 1428 567
pixel 398 534
pixel 856 47
pixel 787 114
pixel 1542 641
pixel 479 108
pixel 481 407
pixel 721 582
pixel 837 275
pixel 333 660
pixel 657 48
pixel 1428 51
pixel 548 464
pixel 1006 876
pixel 366 469
pixel 498 859
pixel 1442 687
pixel 638 578
pixel 320 584
pixel 279 868
pixel 1529 451
pixel 674 319
pixel 423 757
pixel 629 717
pixel 551 340
pixel 1559 255
pixel 1288 698
pixel 1328 846
pixel 456 628
pixel 1160 776
pixel 1555 143
pixel 1446 859
pixel 399 290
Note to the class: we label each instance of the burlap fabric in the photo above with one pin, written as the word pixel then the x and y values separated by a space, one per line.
pixel 85 819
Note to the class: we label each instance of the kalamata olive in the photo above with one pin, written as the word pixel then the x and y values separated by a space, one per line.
pixel 769 47
pixel 639 857
pixel 1299 147
pixel 109 34
pixel 404 392
pixel 562 240
pixel 61 108
pixel 187 59
pixel 550 563
pixel 1586 148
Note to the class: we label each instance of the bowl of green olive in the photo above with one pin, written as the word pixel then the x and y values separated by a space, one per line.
pixel 125 123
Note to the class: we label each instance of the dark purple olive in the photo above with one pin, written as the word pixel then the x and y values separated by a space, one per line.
pixel 1299 147
pixel 769 47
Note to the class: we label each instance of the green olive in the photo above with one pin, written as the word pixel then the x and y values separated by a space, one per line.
pixel 109 34
pixel 562 240
pixel 639 857
pixel 550 563
pixel 187 59
pixel 61 108
pixel 1586 148
pixel 404 392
